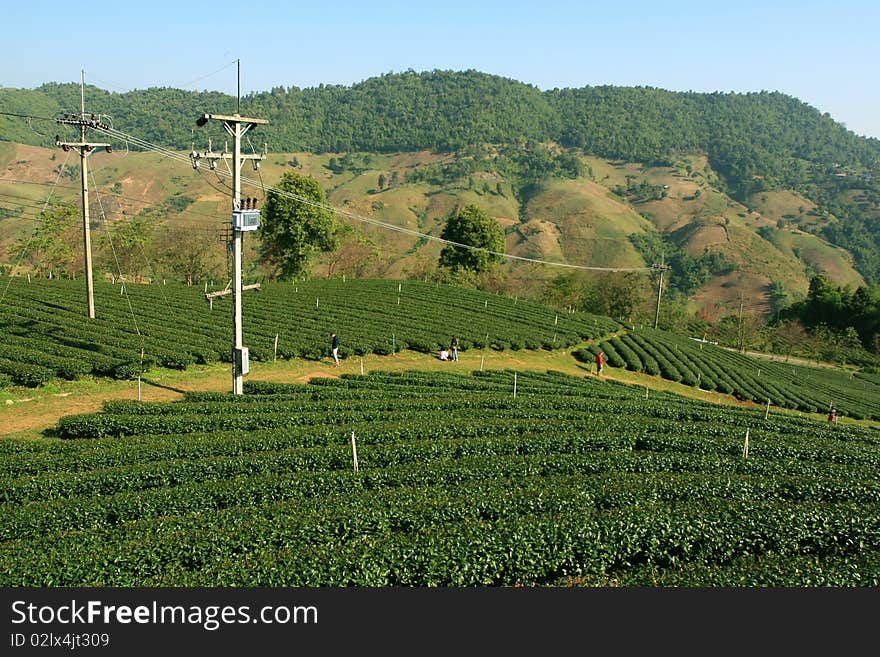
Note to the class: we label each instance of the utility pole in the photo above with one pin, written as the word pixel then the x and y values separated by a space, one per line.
pixel 85 149
pixel 244 218
pixel 741 336
pixel 661 268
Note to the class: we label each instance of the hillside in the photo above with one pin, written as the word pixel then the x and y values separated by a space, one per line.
pixel 747 196
pixel 587 220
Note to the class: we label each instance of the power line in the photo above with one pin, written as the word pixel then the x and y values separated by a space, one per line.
pixel 26 116
pixel 142 143
pixel 118 268
pixel 369 220
pixel 109 193
pixel 33 234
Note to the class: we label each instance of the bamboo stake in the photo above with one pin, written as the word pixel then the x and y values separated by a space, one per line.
pixel 354 452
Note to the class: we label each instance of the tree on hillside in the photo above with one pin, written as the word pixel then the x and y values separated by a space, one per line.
pixel 122 246
pixel 471 225
pixel 295 224
pixel 621 296
pixel 356 256
pixel 56 244
pixel 191 253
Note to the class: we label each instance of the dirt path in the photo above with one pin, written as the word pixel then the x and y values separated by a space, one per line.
pixel 27 412
pixel 784 359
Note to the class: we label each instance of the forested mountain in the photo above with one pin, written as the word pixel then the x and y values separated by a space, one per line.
pixel 753 143
pixel 767 133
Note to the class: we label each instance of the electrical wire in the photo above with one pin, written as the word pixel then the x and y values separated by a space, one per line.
pixel 111 193
pixel 376 222
pixel 118 267
pixel 140 246
pixel 199 79
pixel 34 233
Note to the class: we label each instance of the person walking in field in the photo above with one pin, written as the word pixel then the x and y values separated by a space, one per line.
pixel 334 348
pixel 832 415
pixel 454 346
pixel 600 362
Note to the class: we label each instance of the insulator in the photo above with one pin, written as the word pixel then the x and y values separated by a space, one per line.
pixel 108 148
pixel 65 147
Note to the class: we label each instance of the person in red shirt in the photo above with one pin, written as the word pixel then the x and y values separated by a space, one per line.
pixel 600 361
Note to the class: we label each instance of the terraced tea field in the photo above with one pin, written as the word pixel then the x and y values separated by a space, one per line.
pixel 438 479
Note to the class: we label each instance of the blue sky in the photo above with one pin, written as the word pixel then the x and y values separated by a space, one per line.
pixel 824 53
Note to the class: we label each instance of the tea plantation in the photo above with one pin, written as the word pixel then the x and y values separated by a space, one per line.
pixel 496 478
pixel 47 334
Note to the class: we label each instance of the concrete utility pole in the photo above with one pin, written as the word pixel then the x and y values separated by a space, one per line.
pixel 739 330
pixel 85 149
pixel 243 219
pixel 661 268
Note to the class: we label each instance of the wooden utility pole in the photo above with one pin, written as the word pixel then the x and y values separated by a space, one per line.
pixel 85 149
pixel 244 218
pixel 661 268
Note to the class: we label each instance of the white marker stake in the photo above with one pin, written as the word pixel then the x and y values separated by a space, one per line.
pixel 362 366
pixel 514 385
pixel 746 445
pixel 354 451
pixel 767 412
pixel 481 363
pixel 140 371
pixel 276 347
